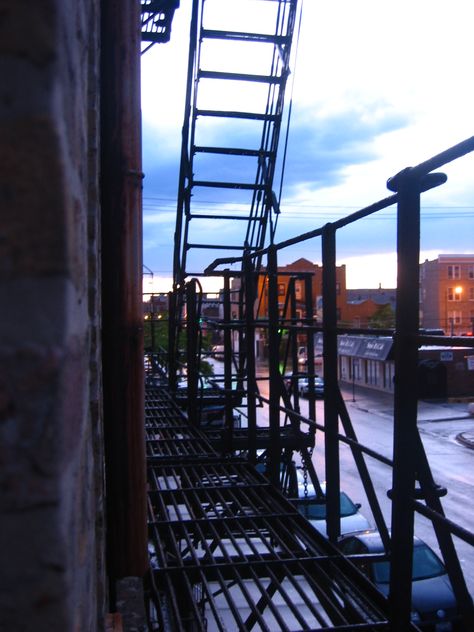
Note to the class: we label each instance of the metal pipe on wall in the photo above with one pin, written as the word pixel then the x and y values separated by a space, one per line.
pixel 122 317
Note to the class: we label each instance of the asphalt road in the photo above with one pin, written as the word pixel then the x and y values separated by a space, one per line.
pixel 452 461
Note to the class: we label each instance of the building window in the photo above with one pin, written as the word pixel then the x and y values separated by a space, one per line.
pixel 372 376
pixel 454 272
pixel 454 294
pixel 281 289
pixel 338 289
pixel 471 293
pixel 455 317
pixel 298 289
pixel 470 272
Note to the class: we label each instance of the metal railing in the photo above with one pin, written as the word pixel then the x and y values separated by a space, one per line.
pixel 414 489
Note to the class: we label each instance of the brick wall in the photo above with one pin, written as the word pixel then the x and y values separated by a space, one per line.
pixel 51 542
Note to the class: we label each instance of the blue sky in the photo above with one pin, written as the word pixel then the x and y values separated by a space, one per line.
pixel 374 89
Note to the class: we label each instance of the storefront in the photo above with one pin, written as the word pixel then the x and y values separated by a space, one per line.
pixel 368 361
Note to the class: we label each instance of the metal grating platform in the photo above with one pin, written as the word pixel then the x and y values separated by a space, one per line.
pixel 229 552
pixel 156 20
pixel 167 432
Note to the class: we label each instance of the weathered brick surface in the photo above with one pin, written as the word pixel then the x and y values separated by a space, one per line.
pixel 51 492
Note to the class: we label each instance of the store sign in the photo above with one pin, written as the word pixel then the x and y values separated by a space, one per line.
pixel 375 349
pixel 446 356
pixel 348 346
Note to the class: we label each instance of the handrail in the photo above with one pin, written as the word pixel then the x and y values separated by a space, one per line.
pixel 423 168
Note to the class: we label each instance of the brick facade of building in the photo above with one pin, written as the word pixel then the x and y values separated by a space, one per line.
pixel 51 467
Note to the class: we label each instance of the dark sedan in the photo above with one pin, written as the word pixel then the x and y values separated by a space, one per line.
pixel 434 605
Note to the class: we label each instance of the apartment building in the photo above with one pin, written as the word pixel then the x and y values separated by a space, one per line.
pixel 303 271
pixel 447 294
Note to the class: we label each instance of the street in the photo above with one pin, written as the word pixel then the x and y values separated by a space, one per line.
pixel 452 464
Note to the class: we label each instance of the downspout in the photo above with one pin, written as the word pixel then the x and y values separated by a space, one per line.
pixel 122 330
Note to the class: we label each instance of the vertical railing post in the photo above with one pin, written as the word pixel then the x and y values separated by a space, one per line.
pixel 249 300
pixel 293 338
pixel 331 387
pixel 172 340
pixel 192 354
pixel 229 415
pixel 308 292
pixel 152 325
pixel 274 450
pixel 405 395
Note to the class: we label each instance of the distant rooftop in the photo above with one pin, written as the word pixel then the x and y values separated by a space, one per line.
pixel 379 295
pixel 453 257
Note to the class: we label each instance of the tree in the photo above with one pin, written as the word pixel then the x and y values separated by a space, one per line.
pixel 383 317
pixel 156 340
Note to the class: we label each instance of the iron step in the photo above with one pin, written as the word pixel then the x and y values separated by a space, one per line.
pixel 238 76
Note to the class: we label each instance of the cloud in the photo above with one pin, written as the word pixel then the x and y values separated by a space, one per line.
pixel 368 100
pixel 321 147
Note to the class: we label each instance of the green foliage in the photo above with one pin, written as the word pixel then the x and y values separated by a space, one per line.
pixel 383 318
pixel 156 339
pixel 156 334
pixel 206 369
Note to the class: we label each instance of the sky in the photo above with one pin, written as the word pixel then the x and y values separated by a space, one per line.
pixel 375 87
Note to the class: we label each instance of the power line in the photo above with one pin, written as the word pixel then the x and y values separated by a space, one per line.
pixel 171 201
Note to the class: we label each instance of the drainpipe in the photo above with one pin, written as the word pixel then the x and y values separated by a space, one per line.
pixel 122 313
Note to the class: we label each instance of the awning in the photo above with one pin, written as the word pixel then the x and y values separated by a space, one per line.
pixel 375 348
pixel 368 347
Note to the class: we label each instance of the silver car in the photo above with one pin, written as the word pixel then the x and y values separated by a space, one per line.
pixel 314 508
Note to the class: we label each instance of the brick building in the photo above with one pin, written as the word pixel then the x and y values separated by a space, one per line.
pixel 70 288
pixel 363 304
pixel 447 294
pixel 302 269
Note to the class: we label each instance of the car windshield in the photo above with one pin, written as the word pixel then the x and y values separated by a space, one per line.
pixel 425 565
pixel 316 510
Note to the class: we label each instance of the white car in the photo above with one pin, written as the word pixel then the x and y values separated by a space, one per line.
pixel 303 386
pixel 314 509
pixel 217 352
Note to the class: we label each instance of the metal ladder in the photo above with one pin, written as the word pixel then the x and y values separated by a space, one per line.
pixel 233 116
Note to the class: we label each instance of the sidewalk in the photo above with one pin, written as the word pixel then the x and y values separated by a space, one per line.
pixel 381 403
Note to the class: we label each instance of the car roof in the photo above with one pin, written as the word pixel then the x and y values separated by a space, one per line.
pixel 373 540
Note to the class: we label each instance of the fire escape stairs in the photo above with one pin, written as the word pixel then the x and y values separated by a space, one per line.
pixel 233 117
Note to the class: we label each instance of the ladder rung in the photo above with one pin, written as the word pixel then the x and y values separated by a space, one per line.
pixel 280 40
pixel 237 76
pixel 255 116
pixel 233 151
pixel 247 218
pixel 217 247
pixel 229 185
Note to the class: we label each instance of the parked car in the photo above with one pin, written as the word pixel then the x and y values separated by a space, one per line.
pixel 303 358
pixel 434 605
pixel 217 352
pixel 314 508
pixel 303 386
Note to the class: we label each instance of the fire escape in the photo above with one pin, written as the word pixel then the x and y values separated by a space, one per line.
pixel 229 549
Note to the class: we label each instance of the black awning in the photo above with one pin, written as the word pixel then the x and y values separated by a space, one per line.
pixel 375 348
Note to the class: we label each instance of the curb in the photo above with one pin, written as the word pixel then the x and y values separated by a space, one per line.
pixel 446 419
pixel 468 443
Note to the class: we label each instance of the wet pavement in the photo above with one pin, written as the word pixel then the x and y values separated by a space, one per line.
pixel 381 403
